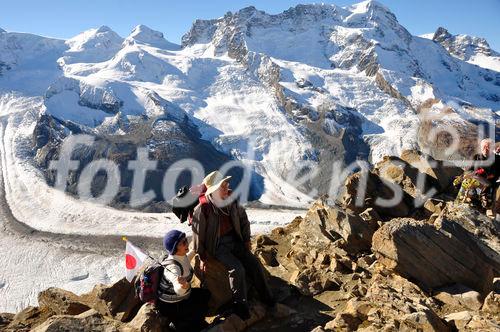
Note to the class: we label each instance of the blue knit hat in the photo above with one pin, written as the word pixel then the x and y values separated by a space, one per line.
pixel 171 239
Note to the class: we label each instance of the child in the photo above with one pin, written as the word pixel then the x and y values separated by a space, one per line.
pixel 186 307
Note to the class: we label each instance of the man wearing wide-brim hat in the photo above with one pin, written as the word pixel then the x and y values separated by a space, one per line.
pixel 221 231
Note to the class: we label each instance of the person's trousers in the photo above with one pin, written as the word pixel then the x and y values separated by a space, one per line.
pixel 189 314
pixel 240 262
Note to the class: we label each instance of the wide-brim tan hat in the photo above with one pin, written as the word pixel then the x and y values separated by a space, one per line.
pixel 213 181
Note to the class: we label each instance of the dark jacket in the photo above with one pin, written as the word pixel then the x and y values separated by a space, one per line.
pixel 490 166
pixel 205 226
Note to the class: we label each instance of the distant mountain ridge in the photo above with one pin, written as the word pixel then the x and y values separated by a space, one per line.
pixel 312 86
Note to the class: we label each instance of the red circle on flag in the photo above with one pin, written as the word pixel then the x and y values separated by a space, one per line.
pixel 130 262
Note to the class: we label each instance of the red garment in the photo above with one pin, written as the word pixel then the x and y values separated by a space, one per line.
pixel 198 190
pixel 225 225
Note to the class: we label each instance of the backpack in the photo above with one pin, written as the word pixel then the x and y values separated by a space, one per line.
pixel 180 206
pixel 147 283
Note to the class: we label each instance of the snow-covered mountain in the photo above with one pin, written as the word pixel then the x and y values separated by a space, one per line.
pixel 312 86
pixel 474 50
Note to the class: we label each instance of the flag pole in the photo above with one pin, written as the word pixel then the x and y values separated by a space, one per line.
pixel 124 238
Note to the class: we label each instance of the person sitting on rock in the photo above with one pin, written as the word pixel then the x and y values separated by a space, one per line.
pixel 221 231
pixel 482 176
pixel 185 307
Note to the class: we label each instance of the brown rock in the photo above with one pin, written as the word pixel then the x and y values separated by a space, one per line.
pixel 264 240
pixel 62 302
pixel 312 281
pixel 460 319
pixel 28 318
pixel 349 319
pixel 492 304
pixel 436 169
pixel 434 257
pixel 148 319
pixel 268 256
pixel 366 261
pixel 343 322
pixel 324 224
pixel 396 302
pixel 216 280
pixel 234 324
pixel 480 229
pixel 433 206
pixel 90 320
pixel 5 319
pixel 278 231
pixel 117 300
pixel 482 323
pixel 460 296
pixel 422 321
pixel 370 215
pixel 406 176
pixel 376 189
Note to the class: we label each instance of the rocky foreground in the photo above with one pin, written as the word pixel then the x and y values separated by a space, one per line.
pixel 434 266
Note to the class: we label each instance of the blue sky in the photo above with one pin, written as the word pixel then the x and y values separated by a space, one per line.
pixel 67 18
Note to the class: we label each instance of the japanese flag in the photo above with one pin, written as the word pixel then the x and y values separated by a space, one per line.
pixel 134 258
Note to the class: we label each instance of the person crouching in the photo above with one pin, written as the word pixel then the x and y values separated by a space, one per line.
pixel 185 307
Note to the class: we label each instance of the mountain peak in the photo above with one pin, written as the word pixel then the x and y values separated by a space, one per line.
pixel 103 29
pixel 2 30
pixel 247 10
pixel 94 38
pixel 441 34
pixel 93 45
pixel 369 5
pixel 463 47
pixel 143 34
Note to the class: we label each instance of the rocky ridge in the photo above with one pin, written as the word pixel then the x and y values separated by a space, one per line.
pixel 435 267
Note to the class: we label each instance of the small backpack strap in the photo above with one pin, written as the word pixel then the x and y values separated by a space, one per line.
pixel 174 262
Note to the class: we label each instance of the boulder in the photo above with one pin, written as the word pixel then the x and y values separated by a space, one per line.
pixel 459 296
pixel 366 261
pixel 117 300
pixel 479 229
pixel 62 302
pixel 5 319
pixel 90 320
pixel 492 304
pixel 343 322
pixel 148 319
pixel 395 299
pixel 29 318
pixel 413 182
pixel 216 280
pixel 369 188
pixel 235 324
pixel 435 256
pixel 460 319
pixel 441 171
pixel 312 281
pixel 483 323
pixel 391 303
pixel 268 256
pixel 264 240
pixel 325 224
pixel 349 319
